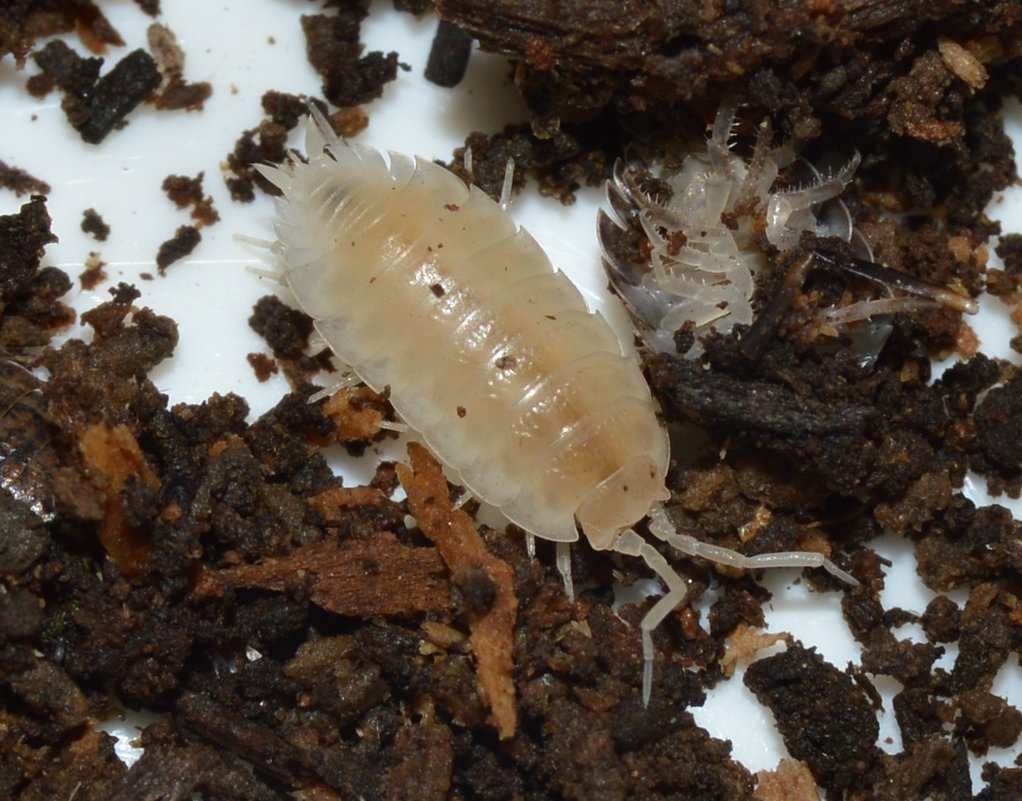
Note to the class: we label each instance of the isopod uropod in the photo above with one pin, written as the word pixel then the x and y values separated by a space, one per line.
pixel 427 286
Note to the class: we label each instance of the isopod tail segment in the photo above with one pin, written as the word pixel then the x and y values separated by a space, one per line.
pixel 629 543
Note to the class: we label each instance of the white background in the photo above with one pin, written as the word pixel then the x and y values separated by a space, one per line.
pixel 246 48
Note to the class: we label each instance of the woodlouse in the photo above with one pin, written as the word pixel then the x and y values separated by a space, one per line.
pixel 427 286
pixel 704 240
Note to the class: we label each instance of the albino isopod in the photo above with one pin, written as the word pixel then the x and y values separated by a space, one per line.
pixel 427 286
pixel 704 240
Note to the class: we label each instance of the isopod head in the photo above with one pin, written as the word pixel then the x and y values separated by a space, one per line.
pixel 621 500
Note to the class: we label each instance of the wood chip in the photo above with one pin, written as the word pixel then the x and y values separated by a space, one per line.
pixel 743 645
pixel 962 63
pixel 356 413
pixel 461 547
pixel 331 503
pixel 114 453
pixel 791 781
pixel 357 577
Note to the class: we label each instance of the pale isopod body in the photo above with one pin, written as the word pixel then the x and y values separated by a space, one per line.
pixel 428 287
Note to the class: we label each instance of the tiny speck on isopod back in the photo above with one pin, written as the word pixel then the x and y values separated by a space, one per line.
pixel 552 443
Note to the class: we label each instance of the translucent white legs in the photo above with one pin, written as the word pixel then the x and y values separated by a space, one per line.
pixel 660 526
pixel 630 543
pixel 509 180
pixel 564 568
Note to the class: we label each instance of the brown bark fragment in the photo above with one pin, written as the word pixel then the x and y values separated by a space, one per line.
pixel 743 645
pixel 374 576
pixel 114 452
pixel 355 413
pixel 790 781
pixel 332 501
pixel 962 63
pixel 462 548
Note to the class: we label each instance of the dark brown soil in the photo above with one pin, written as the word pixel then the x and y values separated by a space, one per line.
pixel 94 225
pixel 184 241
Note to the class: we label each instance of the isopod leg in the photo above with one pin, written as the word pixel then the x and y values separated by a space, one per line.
pixel 661 527
pixel 632 544
pixel 276 276
pixel 348 380
pixel 717 147
pixel 509 177
pixel 564 568
pixel 894 279
pixel 509 180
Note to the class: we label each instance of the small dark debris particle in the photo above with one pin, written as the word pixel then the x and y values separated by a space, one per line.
pixel 462 411
pixel 179 94
pixel 94 105
pixel 286 109
pixel 93 275
pixel 1009 248
pixel 176 93
pixel 263 366
pixel 165 49
pixel 93 224
pixel 448 56
pixel 184 241
pixel 70 72
pixel 185 191
pixel 437 289
pixel 285 330
pixel 150 7
pixel 506 362
pixel 131 80
pixel 40 85
pixel 21 182
pixel 125 294
pixel 264 144
pixel 349 121
pixel 335 52
pixel 989 720
pixel 25 21
pixel 478 590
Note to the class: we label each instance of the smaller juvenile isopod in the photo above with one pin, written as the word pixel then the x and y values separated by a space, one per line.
pixel 428 287
pixel 704 240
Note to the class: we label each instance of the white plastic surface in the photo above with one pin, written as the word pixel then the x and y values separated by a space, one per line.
pixel 245 47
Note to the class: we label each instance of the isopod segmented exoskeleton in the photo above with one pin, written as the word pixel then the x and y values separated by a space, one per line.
pixel 704 240
pixel 427 286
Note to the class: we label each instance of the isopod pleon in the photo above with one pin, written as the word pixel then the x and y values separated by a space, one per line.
pixel 424 285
